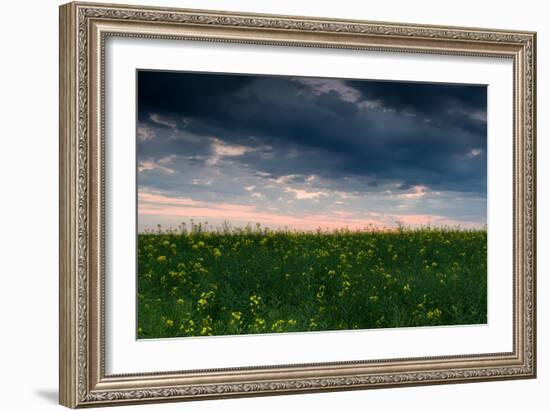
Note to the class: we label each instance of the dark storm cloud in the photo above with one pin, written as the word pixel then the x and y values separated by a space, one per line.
pixel 374 132
pixel 425 98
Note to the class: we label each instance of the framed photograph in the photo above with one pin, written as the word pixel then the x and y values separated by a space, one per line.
pixel 259 204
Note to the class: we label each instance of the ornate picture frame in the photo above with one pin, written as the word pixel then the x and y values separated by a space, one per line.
pixel 84 29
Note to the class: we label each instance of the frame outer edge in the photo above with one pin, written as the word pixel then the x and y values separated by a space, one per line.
pixel 76 298
pixel 68 350
pixel 534 199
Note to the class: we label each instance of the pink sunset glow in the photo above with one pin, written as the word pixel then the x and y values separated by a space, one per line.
pixel 162 206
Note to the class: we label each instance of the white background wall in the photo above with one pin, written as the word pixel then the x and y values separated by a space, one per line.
pixel 28 205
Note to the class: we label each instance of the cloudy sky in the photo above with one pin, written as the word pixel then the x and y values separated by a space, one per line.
pixel 303 153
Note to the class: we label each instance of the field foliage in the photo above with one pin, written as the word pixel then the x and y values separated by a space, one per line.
pixel 198 282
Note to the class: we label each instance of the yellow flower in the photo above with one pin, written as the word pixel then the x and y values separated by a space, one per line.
pixel 320 294
pixel 255 300
pixel 434 314
pixel 217 253
pixel 169 323
pixel 205 299
pixel 277 326
pixel 259 322
pixel 161 258
pixel 180 301
pixel 191 327
pixel 206 331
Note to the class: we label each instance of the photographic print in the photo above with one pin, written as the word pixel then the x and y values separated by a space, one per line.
pixel 270 204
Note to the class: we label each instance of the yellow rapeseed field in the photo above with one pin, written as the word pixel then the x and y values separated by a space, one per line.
pixel 244 281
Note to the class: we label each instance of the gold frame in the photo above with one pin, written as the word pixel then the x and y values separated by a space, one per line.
pixel 84 28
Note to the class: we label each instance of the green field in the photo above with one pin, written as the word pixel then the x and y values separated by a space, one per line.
pixel 259 281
